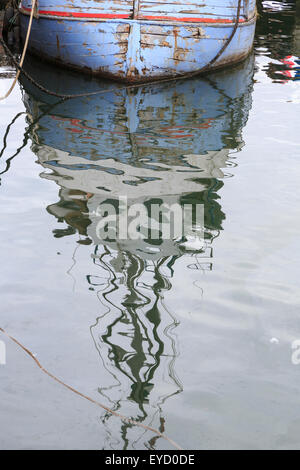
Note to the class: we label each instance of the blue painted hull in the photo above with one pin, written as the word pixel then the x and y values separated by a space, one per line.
pixel 110 39
pixel 171 142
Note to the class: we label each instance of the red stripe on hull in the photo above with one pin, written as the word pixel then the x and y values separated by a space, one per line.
pixel 190 20
pixel 73 14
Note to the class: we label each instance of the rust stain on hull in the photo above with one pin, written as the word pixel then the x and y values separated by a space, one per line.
pixel 57 45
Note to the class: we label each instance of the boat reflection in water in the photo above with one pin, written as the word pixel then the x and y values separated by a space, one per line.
pixel 168 143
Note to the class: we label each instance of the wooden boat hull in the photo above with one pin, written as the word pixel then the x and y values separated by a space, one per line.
pixel 160 142
pixel 113 43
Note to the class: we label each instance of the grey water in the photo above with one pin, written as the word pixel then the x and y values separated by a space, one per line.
pixel 200 342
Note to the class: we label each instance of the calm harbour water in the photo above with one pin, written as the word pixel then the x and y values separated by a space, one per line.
pixel 195 342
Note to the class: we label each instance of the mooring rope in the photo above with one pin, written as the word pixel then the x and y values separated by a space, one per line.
pixel 20 65
pixel 118 415
pixel 127 87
